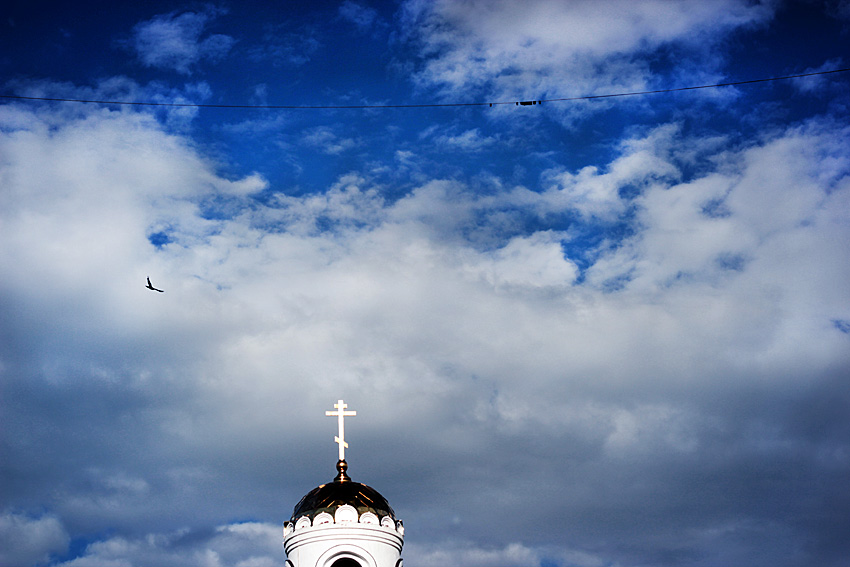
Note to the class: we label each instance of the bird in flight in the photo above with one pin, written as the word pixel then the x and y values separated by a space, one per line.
pixel 149 286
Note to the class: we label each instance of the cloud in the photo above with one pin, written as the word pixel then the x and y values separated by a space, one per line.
pixel 471 140
pixel 839 9
pixel 535 261
pixel 547 49
pixel 512 554
pixel 643 162
pixel 177 41
pixel 363 17
pixel 283 47
pixel 28 541
pixel 780 189
pixel 817 83
pixel 127 90
pixel 249 544
pixel 326 140
pixel 628 404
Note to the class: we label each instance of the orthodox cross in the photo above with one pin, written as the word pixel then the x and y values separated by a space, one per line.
pixel 341 413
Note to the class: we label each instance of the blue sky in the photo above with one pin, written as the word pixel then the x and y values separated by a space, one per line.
pixel 607 332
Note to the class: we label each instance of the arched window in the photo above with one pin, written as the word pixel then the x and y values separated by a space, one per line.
pixel 345 562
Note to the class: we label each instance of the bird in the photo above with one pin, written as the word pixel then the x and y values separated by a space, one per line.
pixel 150 287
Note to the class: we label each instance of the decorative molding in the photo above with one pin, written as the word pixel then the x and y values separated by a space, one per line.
pixel 345 515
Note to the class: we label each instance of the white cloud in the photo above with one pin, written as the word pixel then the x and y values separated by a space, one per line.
pixel 467 141
pixel 256 544
pixel 716 225
pixel 596 194
pixel 327 141
pixel 548 48
pixel 534 261
pixel 28 541
pixel 480 354
pixel 176 41
pixel 244 545
pixel 511 555
pixel 125 90
pixel 819 82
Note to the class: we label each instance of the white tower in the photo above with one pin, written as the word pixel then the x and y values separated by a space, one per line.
pixel 343 523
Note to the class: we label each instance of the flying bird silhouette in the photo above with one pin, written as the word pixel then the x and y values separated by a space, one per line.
pixel 149 286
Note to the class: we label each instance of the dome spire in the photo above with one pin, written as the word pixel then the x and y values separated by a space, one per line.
pixel 340 413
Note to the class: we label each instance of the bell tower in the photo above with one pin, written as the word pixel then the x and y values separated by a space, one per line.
pixel 343 523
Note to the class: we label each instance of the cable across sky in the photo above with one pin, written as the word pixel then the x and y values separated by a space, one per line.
pixel 423 105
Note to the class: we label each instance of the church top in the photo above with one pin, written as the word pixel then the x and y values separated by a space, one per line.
pixel 328 497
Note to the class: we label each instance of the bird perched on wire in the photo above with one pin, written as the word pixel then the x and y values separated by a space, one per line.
pixel 152 288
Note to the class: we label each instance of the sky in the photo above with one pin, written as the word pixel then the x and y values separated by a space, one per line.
pixel 608 332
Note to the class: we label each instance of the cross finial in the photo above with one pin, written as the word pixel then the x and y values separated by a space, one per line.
pixel 341 413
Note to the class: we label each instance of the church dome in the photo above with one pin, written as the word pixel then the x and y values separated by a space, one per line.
pixel 329 497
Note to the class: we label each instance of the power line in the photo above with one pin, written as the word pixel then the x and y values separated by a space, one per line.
pixel 426 105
